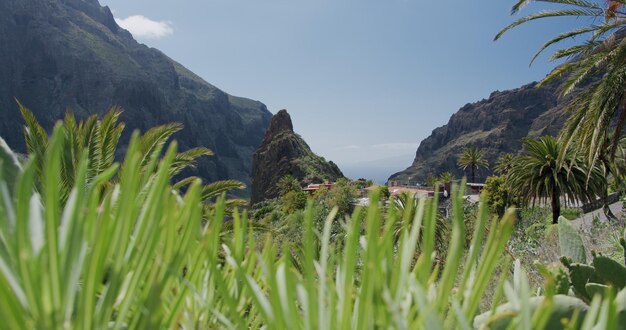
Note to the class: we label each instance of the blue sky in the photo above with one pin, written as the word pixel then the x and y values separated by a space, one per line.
pixel 364 80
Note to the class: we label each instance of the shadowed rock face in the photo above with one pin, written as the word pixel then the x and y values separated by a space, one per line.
pixel 282 153
pixel 496 125
pixel 60 54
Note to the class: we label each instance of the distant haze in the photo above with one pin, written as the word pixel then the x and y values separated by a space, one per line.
pixel 377 170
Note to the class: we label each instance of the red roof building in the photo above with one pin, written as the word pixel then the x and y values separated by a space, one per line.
pixel 317 186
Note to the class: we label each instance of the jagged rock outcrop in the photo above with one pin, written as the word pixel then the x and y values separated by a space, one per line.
pixel 59 54
pixel 496 125
pixel 284 152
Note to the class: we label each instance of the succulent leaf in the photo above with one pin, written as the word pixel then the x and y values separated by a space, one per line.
pixel 570 242
pixel 596 289
pixel 579 276
pixel 564 308
pixel 611 271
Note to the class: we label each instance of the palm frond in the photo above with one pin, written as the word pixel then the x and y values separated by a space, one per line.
pixel 563 36
pixel 91 143
pixel 36 137
pixel 72 133
pixel 552 13
pixel 188 159
pixel 577 74
pixel 573 124
pixel 570 52
pixel 72 150
pixel 597 64
pixel 216 189
pixel 151 142
pixel 235 203
pixel 185 182
pixel 519 6
pixel 110 132
pixel 579 3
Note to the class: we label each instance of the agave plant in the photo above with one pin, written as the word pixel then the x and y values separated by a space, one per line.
pixel 583 296
pixel 132 257
pixel 93 260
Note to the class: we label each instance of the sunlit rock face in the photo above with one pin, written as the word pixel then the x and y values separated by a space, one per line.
pixel 496 124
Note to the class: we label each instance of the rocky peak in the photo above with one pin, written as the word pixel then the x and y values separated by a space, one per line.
pixel 280 122
pixel 282 153
pixel 93 10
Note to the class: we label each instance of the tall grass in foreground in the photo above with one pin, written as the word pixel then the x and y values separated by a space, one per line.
pixel 136 255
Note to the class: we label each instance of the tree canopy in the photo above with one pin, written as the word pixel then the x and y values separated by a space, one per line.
pixel 473 158
pixel 539 175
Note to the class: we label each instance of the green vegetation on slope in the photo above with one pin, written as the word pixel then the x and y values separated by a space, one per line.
pixel 283 153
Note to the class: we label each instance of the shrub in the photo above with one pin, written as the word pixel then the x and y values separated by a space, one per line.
pixel 341 195
pixel 293 201
pixel 571 213
pixel 288 183
pixel 261 209
pixel 497 194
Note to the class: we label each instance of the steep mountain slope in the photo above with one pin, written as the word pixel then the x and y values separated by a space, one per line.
pixel 284 152
pixel 496 125
pixel 59 54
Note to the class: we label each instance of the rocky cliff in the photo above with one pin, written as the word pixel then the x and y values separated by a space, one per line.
pixel 496 124
pixel 284 152
pixel 60 54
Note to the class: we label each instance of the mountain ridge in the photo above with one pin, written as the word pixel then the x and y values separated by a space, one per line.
pixel 71 54
pixel 495 124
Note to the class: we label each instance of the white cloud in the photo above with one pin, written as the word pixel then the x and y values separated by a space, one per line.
pixel 143 27
pixel 349 147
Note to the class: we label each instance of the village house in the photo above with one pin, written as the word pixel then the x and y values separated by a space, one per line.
pixel 316 186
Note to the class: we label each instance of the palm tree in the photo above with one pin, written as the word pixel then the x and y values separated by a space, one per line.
pixel 599 61
pixel 473 158
pixel 446 179
pixel 611 163
pixel 405 205
pixel 539 175
pixel 93 139
pixel 431 181
pixel 618 170
pixel 97 141
pixel 504 163
pixel 288 183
